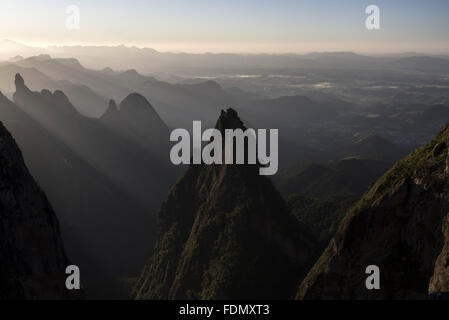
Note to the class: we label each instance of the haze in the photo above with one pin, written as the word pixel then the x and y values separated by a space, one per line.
pixel 246 26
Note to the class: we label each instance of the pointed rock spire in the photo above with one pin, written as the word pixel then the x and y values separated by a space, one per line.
pixel 19 82
pixel 229 119
pixel 112 107
pixel 112 110
pixel 225 232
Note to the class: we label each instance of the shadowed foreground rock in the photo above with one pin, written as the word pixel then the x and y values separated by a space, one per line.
pixel 32 257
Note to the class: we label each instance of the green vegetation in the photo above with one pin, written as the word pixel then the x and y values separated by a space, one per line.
pixel 425 161
pixel 392 225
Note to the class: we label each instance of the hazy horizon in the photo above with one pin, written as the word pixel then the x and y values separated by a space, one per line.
pixel 208 49
pixel 233 27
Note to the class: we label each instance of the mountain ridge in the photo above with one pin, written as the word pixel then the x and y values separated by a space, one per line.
pixel 400 225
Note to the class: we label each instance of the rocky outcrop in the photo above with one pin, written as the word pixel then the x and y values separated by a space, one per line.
pixel 225 232
pixel 400 225
pixel 32 257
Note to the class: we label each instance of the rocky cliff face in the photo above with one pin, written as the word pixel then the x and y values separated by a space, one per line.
pixel 32 256
pixel 401 225
pixel 225 232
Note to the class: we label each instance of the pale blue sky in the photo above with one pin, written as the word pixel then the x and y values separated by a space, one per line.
pixel 233 26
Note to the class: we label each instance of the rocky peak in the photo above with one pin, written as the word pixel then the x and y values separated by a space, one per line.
pixel 20 83
pixel 111 111
pixel 225 232
pixel 134 102
pixel 229 119
pixel 60 97
pixel 140 114
pixel 45 99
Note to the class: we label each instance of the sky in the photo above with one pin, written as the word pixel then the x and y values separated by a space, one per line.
pixel 245 26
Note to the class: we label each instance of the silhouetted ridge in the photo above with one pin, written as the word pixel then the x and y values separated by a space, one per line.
pixel 136 119
pixel 134 102
pixel 56 100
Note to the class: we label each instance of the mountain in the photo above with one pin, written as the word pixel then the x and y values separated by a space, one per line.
pixel 69 69
pixel 225 232
pixel 136 119
pixel 179 104
pixel 86 201
pixel 132 78
pixel 33 259
pixel 86 100
pixel 401 226
pixel 99 145
pixel 36 79
pixel 96 178
pixel 149 60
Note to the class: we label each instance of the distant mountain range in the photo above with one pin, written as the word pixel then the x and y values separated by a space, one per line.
pixel 147 60
pixel 177 104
